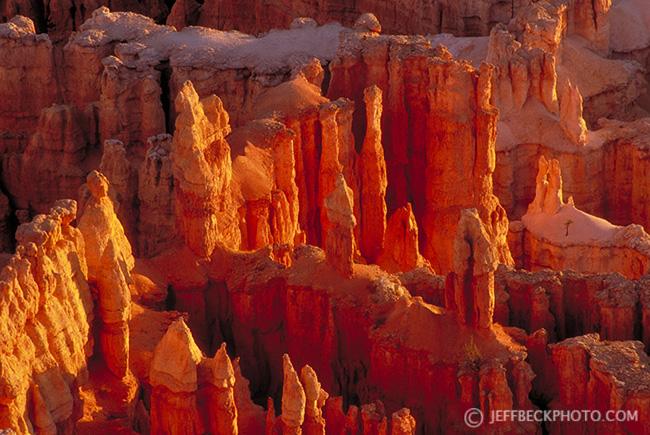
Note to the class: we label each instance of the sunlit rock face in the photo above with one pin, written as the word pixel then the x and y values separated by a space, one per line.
pixel 355 217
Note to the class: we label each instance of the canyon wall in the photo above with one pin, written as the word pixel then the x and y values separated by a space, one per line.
pixel 426 115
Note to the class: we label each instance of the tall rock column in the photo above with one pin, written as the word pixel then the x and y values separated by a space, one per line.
pixel 202 170
pixel 315 401
pixel 460 159
pixel 51 166
pixel 329 165
pixel 114 309
pixel 130 105
pixel 339 245
pixel 571 120
pixel 548 188
pixel 470 288
pixel 28 80
pixel 373 179
pixel 293 400
pixel 110 261
pixel 590 19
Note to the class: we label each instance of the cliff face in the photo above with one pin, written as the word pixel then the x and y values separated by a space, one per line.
pixel 568 304
pixel 311 310
pixel 432 123
pixel 29 80
pixel 586 372
pixel 156 224
pixel 46 325
pixel 441 16
pixel 51 166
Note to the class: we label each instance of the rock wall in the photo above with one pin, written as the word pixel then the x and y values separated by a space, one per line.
pixel 156 224
pixel 432 123
pixel 586 373
pixel 441 16
pixel 567 304
pixel 60 19
pixel 46 326
pixel 310 309
pixel 29 84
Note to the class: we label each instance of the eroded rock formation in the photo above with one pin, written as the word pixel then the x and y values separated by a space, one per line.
pixel 591 374
pixel 423 95
pixel 41 374
pixel 110 261
pixel 202 170
pixel 401 252
pixel 339 244
pixel 373 179
pixel 559 236
pixel 156 225
pixel 470 290
pixel 318 134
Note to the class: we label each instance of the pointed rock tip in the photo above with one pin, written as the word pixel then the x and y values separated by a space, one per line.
pixel 223 372
pixel 97 184
pixel 175 359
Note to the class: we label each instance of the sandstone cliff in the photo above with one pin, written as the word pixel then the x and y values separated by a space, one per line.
pixel 45 325
pixel 586 373
pixel 313 304
pixel 423 95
